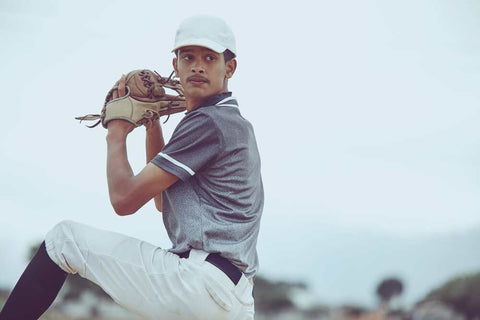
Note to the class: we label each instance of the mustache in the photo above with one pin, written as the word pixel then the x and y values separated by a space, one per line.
pixel 197 78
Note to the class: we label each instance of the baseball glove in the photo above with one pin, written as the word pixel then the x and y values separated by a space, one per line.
pixel 145 99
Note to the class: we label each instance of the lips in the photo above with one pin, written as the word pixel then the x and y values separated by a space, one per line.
pixel 197 79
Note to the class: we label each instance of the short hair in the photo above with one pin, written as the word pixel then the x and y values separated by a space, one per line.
pixel 227 55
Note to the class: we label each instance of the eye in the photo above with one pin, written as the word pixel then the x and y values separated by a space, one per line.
pixel 210 57
pixel 187 57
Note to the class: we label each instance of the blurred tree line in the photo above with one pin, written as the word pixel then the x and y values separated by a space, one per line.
pixel 274 296
pixel 461 293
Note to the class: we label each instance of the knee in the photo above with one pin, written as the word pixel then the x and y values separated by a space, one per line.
pixel 61 246
pixel 64 227
pixel 62 233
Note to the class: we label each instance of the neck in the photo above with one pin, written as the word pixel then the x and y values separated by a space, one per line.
pixel 194 102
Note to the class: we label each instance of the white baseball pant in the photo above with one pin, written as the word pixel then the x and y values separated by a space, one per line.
pixel 148 280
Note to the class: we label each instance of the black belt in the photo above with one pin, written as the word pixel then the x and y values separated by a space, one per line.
pixel 221 263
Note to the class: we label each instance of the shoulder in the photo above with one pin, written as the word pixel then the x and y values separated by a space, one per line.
pixel 206 118
pixel 196 119
pixel 195 127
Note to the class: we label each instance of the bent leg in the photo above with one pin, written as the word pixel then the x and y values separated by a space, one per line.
pixel 146 279
pixel 122 266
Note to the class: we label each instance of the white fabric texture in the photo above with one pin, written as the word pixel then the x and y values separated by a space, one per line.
pixel 148 280
pixel 205 31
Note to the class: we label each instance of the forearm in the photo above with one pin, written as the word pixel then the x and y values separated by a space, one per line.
pixel 154 144
pixel 119 171
pixel 154 140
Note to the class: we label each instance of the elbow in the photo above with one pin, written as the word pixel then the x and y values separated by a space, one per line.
pixel 122 207
pixel 122 211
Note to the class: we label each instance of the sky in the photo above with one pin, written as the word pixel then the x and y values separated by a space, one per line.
pixel 365 113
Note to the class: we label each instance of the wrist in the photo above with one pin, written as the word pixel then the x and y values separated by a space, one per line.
pixel 153 126
pixel 119 129
pixel 116 135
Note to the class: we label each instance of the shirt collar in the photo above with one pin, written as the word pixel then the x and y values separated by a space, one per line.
pixel 213 100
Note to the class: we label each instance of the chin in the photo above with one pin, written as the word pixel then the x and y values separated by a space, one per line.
pixel 198 93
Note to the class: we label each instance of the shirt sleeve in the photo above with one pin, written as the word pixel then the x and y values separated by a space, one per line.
pixel 194 143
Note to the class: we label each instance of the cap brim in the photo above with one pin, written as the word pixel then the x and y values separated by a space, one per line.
pixel 202 43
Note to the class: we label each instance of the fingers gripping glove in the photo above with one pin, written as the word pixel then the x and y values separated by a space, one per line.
pixel 144 102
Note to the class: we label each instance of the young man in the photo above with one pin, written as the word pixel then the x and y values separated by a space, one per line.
pixel 207 183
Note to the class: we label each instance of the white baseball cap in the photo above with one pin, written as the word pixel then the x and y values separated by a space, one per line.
pixel 205 31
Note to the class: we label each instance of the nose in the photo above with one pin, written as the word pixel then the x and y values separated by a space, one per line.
pixel 198 67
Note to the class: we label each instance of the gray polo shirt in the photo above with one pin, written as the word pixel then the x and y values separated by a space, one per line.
pixel 217 203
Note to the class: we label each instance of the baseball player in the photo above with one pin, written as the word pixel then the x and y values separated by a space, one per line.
pixel 206 182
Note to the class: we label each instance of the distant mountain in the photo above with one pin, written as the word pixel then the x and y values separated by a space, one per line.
pixel 342 266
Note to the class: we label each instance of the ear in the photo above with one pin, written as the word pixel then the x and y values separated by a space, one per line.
pixel 230 66
pixel 175 66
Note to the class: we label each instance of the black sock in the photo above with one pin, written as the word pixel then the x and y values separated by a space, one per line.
pixel 36 289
